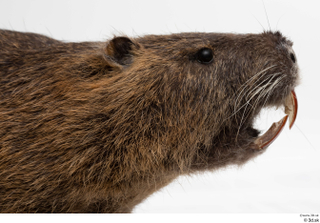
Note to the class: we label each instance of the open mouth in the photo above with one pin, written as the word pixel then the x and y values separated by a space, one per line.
pixel 291 109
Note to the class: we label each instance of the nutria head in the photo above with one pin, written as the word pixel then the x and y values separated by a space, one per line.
pixel 107 124
pixel 193 97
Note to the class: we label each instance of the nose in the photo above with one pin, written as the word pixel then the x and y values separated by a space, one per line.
pixel 284 45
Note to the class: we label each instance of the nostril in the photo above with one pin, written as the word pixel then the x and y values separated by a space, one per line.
pixel 293 58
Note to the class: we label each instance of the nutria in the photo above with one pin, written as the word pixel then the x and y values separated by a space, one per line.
pixel 99 126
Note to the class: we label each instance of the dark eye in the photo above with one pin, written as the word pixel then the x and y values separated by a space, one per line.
pixel 205 55
pixel 293 58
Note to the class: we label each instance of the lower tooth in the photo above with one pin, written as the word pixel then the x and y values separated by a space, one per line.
pixel 268 137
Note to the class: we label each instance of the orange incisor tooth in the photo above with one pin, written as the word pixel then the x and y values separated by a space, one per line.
pixel 291 108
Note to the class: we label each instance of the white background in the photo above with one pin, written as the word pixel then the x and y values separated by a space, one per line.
pixel 285 179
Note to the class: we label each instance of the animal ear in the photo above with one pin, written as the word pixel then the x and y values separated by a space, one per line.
pixel 119 49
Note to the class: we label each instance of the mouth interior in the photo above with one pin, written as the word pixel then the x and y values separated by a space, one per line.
pixel 290 109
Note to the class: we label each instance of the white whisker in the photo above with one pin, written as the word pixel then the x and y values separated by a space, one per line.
pixel 269 90
pixel 261 92
pixel 264 93
pixel 257 89
pixel 245 85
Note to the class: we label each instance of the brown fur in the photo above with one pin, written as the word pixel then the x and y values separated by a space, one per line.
pixel 98 127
